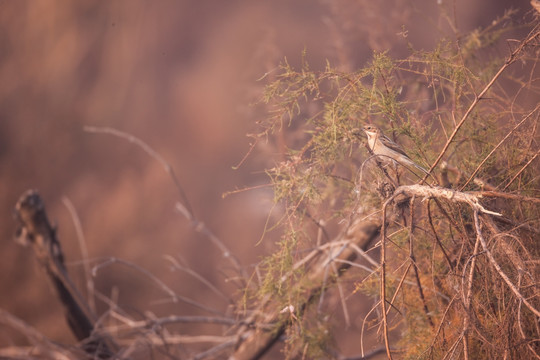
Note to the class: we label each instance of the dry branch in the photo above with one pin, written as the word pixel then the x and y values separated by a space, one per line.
pixel 36 230
pixel 443 193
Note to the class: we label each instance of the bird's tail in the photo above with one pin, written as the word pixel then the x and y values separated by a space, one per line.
pixel 425 171
pixel 408 162
pixel 412 163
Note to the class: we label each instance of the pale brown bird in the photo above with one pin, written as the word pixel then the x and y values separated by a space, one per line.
pixel 382 145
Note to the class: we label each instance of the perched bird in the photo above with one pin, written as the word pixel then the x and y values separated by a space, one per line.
pixel 382 145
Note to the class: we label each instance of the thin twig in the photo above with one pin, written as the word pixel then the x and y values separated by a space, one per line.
pixel 341 292
pixel 154 339
pixel 197 276
pixel 400 284
pixel 150 151
pixel 430 221
pixel 212 351
pixel 44 344
pixel 441 324
pixel 356 265
pixel 520 326
pixel 504 195
pixel 467 300
pixel 383 278
pixel 174 296
pixel 364 326
pixel 521 170
pixel 173 319
pixel 367 356
pixel 201 228
pixel 84 253
pixel 415 267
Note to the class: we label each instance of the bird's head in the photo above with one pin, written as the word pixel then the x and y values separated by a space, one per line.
pixel 370 130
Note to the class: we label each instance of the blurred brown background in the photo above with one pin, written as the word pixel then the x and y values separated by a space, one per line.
pixel 182 76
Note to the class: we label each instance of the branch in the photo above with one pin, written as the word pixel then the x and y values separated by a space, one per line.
pixel 172 294
pixel 254 342
pixel 383 277
pixel 449 194
pixel 521 170
pixel 35 229
pixel 504 195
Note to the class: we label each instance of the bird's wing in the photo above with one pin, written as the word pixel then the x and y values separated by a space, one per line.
pixel 392 145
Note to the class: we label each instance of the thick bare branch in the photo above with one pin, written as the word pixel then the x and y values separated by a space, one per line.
pixel 254 342
pixel 35 229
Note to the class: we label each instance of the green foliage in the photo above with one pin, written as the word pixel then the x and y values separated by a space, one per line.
pixel 310 337
pixel 418 101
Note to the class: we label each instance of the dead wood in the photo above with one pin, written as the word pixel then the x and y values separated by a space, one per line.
pixel 36 230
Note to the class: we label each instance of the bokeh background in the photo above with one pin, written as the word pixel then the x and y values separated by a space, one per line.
pixel 183 76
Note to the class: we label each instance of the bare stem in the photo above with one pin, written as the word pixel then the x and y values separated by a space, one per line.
pixel 383 279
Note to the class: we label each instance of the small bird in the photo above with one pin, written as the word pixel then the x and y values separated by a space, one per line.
pixel 382 145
